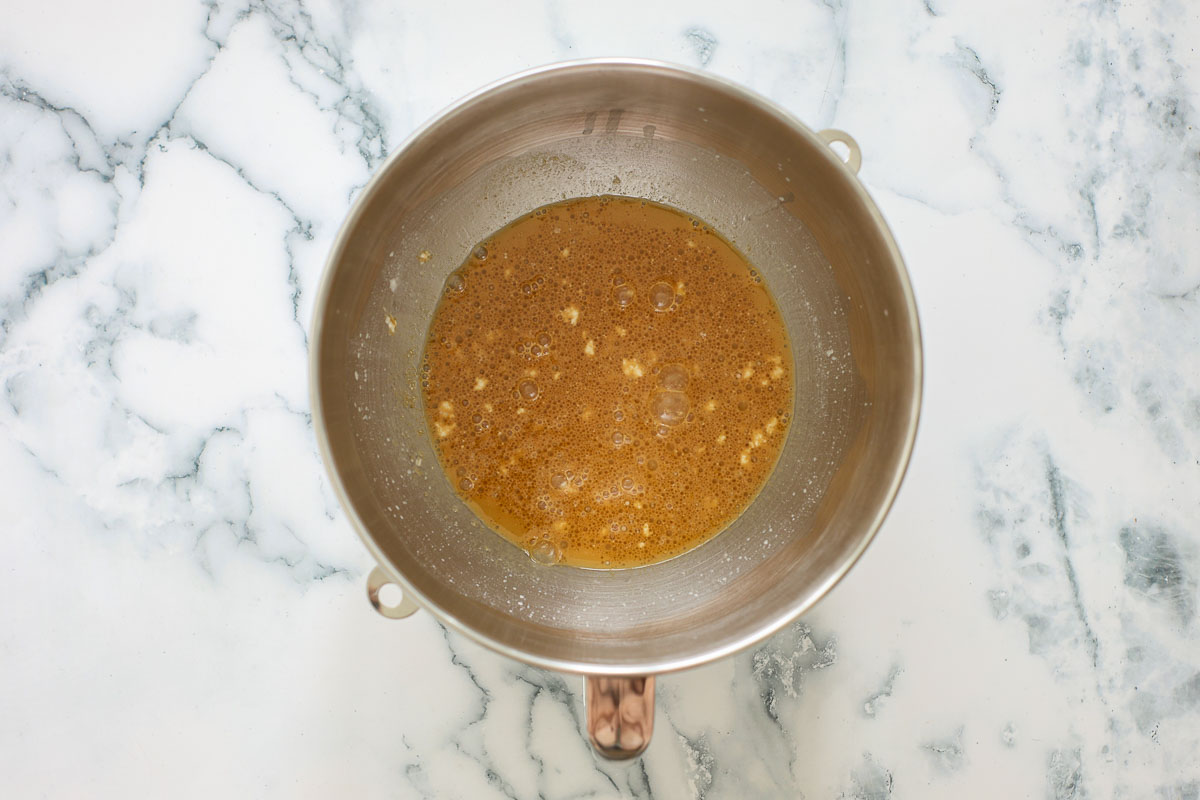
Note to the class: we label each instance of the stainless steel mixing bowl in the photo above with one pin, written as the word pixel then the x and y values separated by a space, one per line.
pixel 769 184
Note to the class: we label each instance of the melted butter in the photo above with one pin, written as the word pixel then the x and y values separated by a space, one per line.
pixel 608 382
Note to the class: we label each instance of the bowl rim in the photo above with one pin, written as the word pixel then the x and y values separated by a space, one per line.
pixel 652 665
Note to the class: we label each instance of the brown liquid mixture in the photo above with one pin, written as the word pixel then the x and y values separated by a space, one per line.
pixel 607 382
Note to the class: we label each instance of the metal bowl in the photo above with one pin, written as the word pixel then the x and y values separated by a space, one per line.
pixel 783 196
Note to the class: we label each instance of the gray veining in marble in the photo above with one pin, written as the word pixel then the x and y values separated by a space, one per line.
pixel 183 605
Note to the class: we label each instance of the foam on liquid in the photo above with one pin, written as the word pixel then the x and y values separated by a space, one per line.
pixel 607 382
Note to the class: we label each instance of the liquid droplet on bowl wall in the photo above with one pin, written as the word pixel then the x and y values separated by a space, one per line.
pixel 545 552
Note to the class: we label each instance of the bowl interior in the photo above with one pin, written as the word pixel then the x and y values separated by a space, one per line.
pixel 780 196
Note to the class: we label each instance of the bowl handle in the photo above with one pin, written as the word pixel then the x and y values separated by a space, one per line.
pixel 376 580
pixel 853 157
pixel 620 714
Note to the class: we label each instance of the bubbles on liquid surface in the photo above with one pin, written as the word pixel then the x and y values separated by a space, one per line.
pixel 624 295
pixel 594 399
pixel 466 484
pixel 545 553
pixel 480 252
pixel 662 296
pixel 673 377
pixel 669 408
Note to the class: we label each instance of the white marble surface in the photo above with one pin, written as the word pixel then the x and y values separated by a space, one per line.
pixel 181 600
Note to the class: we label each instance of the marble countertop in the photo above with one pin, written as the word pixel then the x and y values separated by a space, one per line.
pixel 182 607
